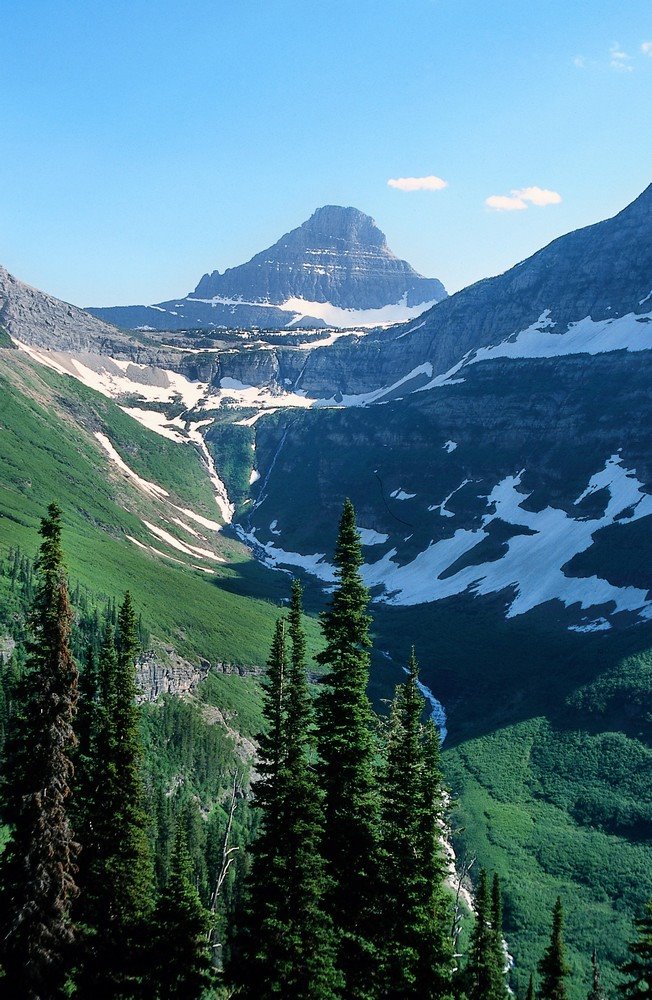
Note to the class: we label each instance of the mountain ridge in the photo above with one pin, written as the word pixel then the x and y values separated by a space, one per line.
pixel 338 258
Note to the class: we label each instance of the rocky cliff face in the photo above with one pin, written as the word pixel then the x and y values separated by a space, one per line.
pixel 335 269
pixel 34 317
pixel 163 671
pixel 530 479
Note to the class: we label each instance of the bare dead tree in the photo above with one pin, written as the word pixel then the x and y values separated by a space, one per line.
pixel 456 929
pixel 228 857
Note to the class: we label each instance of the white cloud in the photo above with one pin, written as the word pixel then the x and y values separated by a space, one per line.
pixel 430 183
pixel 503 203
pixel 538 196
pixel 519 199
pixel 646 49
pixel 579 62
pixel 619 59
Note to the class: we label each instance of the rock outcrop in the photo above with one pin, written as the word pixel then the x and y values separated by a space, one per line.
pixel 163 671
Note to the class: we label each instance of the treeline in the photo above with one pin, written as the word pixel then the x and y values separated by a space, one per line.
pixel 346 893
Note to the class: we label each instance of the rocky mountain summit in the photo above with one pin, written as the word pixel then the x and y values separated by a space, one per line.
pixel 334 270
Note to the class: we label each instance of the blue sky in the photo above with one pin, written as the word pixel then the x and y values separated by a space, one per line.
pixel 144 143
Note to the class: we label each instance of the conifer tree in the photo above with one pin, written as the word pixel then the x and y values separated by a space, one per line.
pixel 88 706
pixel 597 991
pixel 347 774
pixel 310 933
pixel 638 968
pixel 118 887
pixel 485 971
pixel 417 951
pixel 255 956
pixel 531 992
pixel 501 991
pixel 86 730
pixel 553 968
pixel 38 868
pixel 287 948
pixel 180 966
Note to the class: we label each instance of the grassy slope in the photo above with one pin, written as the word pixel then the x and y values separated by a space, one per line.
pixel 47 452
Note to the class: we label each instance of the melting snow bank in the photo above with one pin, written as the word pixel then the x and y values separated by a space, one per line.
pixel 276 558
pixel 143 484
pixel 112 377
pixel 371 537
pixel 632 332
pixel 300 310
pixel 158 493
pixel 532 566
pixel 227 509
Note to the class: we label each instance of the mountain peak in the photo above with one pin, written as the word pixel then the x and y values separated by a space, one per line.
pixel 350 224
pixel 335 269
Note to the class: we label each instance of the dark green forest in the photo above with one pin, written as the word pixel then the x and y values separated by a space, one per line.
pixel 145 855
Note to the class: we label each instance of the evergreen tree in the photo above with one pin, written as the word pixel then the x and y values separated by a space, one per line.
pixel 86 729
pixel 531 992
pixel 38 868
pixel 348 779
pixel 286 946
pixel 597 991
pixel 310 941
pixel 417 950
pixel 485 973
pixel 118 885
pixel 638 968
pixel 256 947
pixel 553 967
pixel 501 991
pixel 180 965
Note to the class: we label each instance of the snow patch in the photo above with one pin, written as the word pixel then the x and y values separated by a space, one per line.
pixel 186 548
pixel 632 332
pixel 377 395
pixel 371 537
pixel 143 484
pixel 276 558
pixel 398 312
pixel 441 507
pixel 599 625
pixel 532 566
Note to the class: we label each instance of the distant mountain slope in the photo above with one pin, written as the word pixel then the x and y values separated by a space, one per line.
pixel 34 317
pixel 602 272
pixel 334 270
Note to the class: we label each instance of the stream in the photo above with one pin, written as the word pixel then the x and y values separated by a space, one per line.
pixel 437 710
